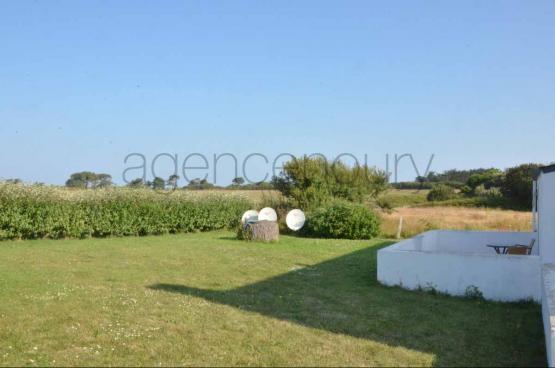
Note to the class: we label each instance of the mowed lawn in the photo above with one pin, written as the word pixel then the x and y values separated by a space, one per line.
pixel 208 299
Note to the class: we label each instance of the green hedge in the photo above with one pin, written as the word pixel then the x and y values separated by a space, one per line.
pixel 31 212
pixel 342 220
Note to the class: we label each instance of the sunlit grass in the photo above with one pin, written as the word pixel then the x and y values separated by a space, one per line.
pixel 207 299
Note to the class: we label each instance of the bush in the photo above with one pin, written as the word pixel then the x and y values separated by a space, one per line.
pixel 488 179
pixel 386 204
pixel 30 212
pixel 342 220
pixel 518 183
pixel 441 192
pixel 492 192
pixel 312 182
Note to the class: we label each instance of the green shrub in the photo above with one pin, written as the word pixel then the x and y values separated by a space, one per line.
pixel 313 181
pixel 492 192
pixel 441 192
pixel 31 212
pixel 342 220
pixel 518 183
pixel 489 178
pixel 386 204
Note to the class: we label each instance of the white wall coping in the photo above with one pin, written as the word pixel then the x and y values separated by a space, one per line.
pixel 400 246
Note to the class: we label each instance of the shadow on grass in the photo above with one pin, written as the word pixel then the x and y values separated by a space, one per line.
pixel 343 296
pixel 228 238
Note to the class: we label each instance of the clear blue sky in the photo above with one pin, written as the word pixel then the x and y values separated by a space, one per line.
pixel 82 84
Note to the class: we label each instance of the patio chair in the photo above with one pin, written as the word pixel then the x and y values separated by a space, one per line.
pixel 518 249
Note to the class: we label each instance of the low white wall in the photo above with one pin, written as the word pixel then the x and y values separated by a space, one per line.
pixel 434 260
pixel 450 241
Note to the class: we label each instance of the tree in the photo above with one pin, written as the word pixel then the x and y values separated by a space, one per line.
pixel 518 183
pixel 454 175
pixel 14 181
pixel 311 182
pixel 421 180
pixel 103 181
pixel 80 180
pixel 136 183
pixel 158 183
pixel 89 180
pixel 238 181
pixel 489 179
pixel 199 184
pixel 172 181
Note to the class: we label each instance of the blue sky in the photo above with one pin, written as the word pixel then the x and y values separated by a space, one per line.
pixel 83 84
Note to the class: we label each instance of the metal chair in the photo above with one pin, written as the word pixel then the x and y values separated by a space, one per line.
pixel 518 249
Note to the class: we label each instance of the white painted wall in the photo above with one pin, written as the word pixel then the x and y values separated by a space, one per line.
pixel 548 310
pixel 451 261
pixel 546 216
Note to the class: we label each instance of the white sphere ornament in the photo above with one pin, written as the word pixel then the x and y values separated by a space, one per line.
pixel 267 214
pixel 295 220
pixel 249 216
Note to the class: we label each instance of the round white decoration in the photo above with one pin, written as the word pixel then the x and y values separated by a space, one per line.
pixel 295 219
pixel 267 214
pixel 249 216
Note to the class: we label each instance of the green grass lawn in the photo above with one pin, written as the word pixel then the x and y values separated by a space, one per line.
pixel 207 299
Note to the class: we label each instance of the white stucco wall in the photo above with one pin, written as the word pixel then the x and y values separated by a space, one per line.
pixel 546 240
pixel 548 310
pixel 546 216
pixel 451 261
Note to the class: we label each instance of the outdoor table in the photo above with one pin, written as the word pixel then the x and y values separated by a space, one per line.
pixel 503 248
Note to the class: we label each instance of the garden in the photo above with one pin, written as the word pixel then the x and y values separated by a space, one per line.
pixel 135 276
pixel 209 299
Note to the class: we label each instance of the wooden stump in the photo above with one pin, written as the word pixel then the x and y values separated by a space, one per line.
pixel 265 231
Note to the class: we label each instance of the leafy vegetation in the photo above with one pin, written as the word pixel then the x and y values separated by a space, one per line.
pixel 518 183
pixel 89 180
pixel 511 188
pixel 342 220
pixel 440 192
pixel 199 184
pixel 209 300
pixel 313 181
pixel 30 212
pixel 456 176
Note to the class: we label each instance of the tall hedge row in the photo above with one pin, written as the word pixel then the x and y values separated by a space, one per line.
pixel 31 212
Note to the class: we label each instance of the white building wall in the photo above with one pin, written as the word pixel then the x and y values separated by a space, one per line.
pixel 548 310
pixel 546 216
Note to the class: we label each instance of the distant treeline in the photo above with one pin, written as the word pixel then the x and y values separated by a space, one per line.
pixel 513 184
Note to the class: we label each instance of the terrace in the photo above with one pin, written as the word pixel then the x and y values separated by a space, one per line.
pixel 465 263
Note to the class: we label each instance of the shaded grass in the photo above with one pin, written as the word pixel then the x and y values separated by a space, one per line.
pixel 207 299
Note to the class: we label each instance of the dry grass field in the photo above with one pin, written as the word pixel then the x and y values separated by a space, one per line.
pixel 257 196
pixel 417 220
